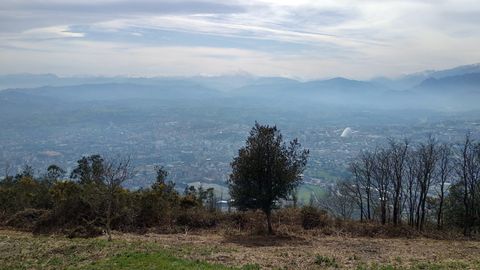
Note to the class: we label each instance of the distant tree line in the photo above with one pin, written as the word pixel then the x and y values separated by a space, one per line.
pixel 424 184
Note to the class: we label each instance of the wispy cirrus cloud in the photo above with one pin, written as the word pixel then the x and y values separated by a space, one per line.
pixel 308 39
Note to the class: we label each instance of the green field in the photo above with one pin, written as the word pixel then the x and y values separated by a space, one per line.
pixel 157 260
pixel 306 191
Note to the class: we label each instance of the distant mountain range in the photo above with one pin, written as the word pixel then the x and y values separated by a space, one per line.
pixel 452 89
pixel 412 80
pixel 229 82
pixel 454 84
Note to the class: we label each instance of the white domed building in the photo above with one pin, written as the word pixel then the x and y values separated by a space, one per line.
pixel 347 132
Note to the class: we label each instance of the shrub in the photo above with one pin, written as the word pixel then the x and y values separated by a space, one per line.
pixel 288 216
pixel 313 217
pixel 83 231
pixel 251 221
pixel 251 267
pixel 27 218
pixel 325 261
pixel 197 218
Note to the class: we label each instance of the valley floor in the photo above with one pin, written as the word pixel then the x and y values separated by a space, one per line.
pixel 209 250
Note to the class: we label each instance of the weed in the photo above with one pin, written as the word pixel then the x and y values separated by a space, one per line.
pixel 251 267
pixel 326 261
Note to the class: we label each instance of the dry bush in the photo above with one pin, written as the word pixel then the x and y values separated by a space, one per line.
pixel 27 219
pixel 313 217
pixel 287 216
pixel 247 221
pixel 287 221
pixel 197 218
pixel 83 231
pixel 316 222
pixel 372 229
pixel 49 223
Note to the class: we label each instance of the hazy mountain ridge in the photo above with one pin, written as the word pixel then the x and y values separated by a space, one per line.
pixel 228 82
pixel 118 91
pixel 194 124
pixel 454 84
pixel 413 80
pixel 453 89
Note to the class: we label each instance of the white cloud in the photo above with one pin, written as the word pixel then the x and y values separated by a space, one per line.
pixel 325 38
pixel 51 32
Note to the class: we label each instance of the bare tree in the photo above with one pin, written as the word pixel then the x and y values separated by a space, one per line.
pixel 368 166
pixel 427 158
pixel 397 154
pixel 412 175
pixel 417 180
pixel 444 172
pixel 339 201
pixel 469 173
pixel 362 171
pixel 356 188
pixel 381 173
pixel 8 167
pixel 116 172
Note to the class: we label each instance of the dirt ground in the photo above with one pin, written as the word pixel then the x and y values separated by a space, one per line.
pixel 291 252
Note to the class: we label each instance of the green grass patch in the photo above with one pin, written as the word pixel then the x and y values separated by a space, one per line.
pixel 325 261
pixel 26 252
pixel 158 260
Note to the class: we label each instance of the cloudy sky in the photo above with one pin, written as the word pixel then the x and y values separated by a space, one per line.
pixel 301 39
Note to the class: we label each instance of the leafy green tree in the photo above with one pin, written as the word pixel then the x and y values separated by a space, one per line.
pixel 191 198
pixel 89 173
pixel 266 170
pixel 66 196
pixel 158 203
pixel 54 173
pixel 89 169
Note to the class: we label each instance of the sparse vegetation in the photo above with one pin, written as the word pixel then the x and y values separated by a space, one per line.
pixel 326 261
pixel 208 250
pixel 92 203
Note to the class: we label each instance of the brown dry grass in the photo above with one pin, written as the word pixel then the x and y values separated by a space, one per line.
pixel 300 252
pixel 283 251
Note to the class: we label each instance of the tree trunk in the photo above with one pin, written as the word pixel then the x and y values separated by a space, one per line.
pixel 422 221
pixel 369 216
pixel 109 220
pixel 396 206
pixel 383 212
pixel 440 212
pixel 269 221
pixel 362 211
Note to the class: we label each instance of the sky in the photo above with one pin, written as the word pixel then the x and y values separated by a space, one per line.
pixel 357 39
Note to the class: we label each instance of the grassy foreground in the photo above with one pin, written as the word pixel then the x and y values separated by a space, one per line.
pixel 20 250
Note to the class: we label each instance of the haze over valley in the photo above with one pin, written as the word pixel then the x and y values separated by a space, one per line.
pixel 194 125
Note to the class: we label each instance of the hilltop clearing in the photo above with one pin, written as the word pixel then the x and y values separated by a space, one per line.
pixel 208 250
